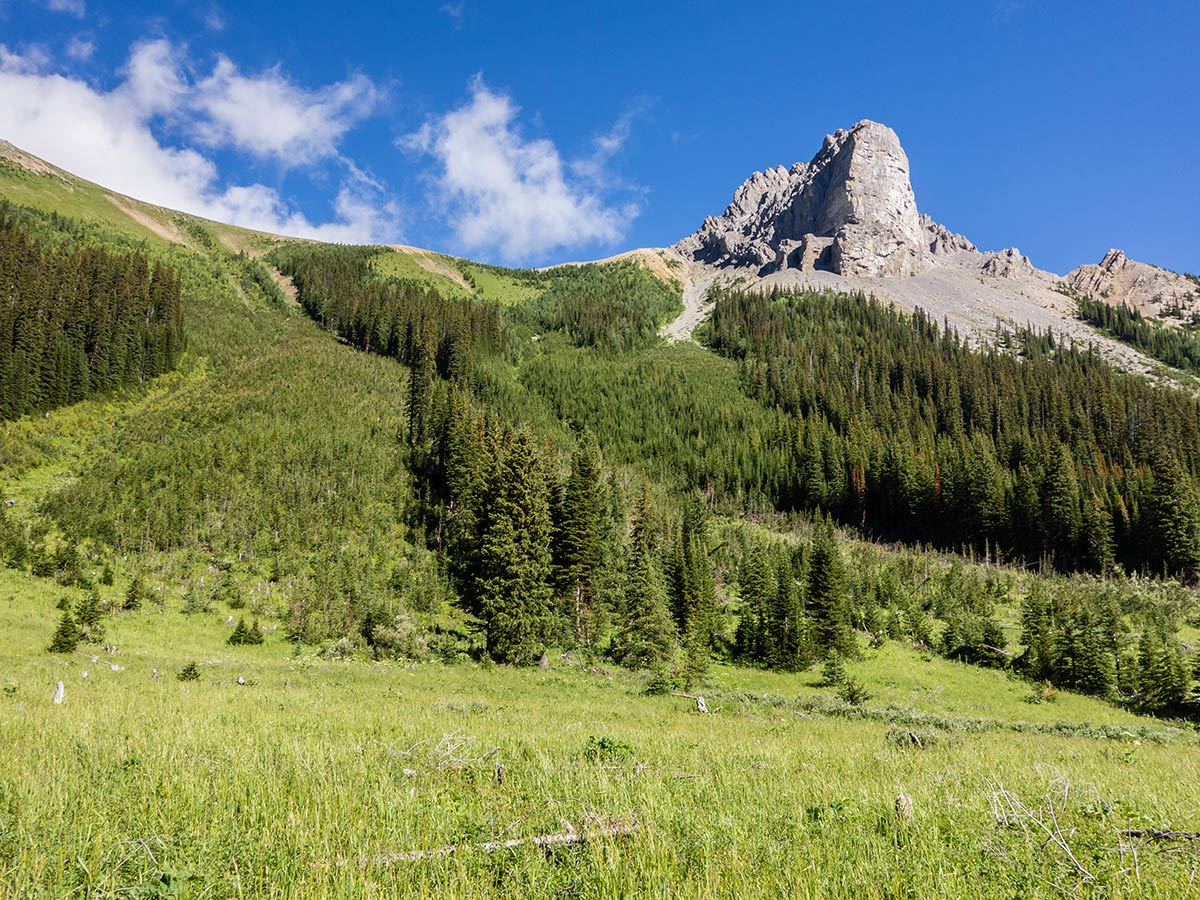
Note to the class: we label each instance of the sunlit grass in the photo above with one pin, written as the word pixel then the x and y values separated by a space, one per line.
pixel 283 787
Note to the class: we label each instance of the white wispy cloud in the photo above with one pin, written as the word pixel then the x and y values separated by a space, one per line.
pixel 106 137
pixel 502 191
pixel 75 8
pixel 268 115
pixel 81 49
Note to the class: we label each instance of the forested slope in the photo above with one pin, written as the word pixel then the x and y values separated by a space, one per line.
pixel 521 465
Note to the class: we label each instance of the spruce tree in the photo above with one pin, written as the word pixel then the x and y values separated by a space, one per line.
pixel 833 670
pixel 1061 516
pixel 787 621
pixel 87 616
pixel 1173 517
pixel 827 593
pixel 134 594
pixel 1098 546
pixel 1163 677
pixel 66 636
pixel 1037 660
pixel 238 636
pixel 254 633
pixel 514 563
pixel 647 636
pixel 755 639
pixel 579 537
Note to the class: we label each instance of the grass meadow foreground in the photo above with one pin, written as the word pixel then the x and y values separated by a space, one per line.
pixel 316 777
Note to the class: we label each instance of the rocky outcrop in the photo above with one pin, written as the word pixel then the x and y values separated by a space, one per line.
pixel 943 241
pixel 850 210
pixel 1117 279
pixel 1010 263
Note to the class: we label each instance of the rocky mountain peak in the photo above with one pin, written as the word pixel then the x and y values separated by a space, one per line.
pixel 849 210
pixel 1117 279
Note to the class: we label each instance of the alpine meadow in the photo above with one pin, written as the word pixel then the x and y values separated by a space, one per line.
pixel 818 554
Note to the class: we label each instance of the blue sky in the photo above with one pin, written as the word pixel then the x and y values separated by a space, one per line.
pixel 531 133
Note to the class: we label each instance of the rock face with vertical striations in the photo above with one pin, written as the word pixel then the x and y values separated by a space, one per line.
pixel 1117 279
pixel 850 211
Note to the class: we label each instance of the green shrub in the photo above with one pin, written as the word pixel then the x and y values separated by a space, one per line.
pixel 606 749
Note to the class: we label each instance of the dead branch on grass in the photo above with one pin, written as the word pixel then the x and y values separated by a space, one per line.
pixel 701 706
pixel 1010 811
pixel 592 828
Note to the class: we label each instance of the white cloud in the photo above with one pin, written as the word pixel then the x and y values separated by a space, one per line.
pixel 270 116
pixel 607 145
pixel 506 192
pixel 106 137
pixel 28 61
pixel 214 19
pixel 71 7
pixel 154 82
pixel 81 49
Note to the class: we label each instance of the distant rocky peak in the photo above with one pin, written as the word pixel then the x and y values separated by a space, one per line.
pixel 849 210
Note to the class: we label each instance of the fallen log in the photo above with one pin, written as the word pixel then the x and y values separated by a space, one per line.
pixel 1155 835
pixel 591 830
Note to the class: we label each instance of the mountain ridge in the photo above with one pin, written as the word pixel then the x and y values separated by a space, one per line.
pixel 846 220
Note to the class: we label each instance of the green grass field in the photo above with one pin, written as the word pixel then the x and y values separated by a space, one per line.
pixel 315 776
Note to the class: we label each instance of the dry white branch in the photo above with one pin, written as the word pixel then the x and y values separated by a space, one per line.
pixel 592 828
pixel 1008 810
pixel 701 706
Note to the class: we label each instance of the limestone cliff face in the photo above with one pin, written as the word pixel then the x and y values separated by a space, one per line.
pixel 1117 279
pixel 850 210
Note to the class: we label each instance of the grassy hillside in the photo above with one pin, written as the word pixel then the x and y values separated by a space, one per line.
pixel 275 477
pixel 309 778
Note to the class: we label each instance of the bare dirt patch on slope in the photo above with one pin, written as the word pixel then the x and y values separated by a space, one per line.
pixel 164 230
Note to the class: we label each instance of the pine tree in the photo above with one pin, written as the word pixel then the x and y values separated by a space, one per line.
pixel 66 636
pixel 647 637
pixel 833 670
pixel 579 537
pixel 755 639
pixel 254 633
pixel 1174 519
pixel 1037 660
pixel 134 594
pixel 826 593
pixel 514 563
pixel 238 637
pixel 87 616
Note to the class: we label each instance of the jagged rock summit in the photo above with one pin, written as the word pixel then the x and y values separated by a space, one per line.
pixel 1138 285
pixel 849 211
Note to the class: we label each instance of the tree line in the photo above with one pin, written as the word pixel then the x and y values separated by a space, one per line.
pixel 79 321
pixel 1032 448
pixel 1178 347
